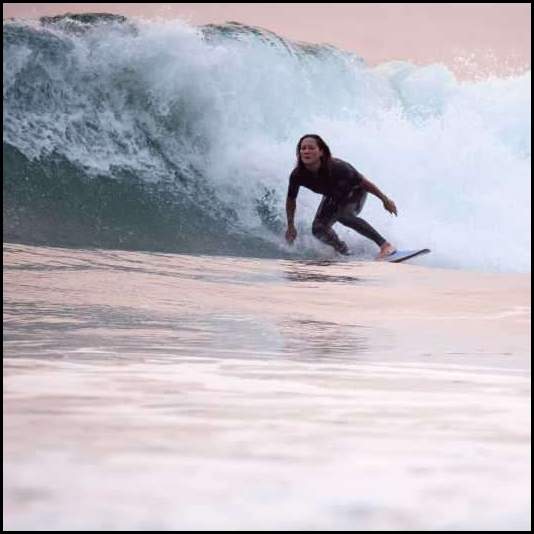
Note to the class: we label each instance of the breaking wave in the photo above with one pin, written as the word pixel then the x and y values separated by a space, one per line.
pixel 162 136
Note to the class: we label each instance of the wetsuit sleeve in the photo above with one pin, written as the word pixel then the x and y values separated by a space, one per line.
pixel 294 185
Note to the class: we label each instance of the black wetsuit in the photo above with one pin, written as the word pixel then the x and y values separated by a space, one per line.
pixel 343 199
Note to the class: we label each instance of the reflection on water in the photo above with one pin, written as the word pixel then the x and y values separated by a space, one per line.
pixel 322 339
pixel 141 390
pixel 321 271
pixel 58 301
pixel 304 276
pixel 33 329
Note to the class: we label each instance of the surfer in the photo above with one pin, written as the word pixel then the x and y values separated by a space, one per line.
pixel 344 192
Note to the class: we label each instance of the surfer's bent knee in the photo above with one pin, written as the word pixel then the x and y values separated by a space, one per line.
pixel 319 228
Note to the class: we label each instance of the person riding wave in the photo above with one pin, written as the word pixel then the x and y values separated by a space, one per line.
pixel 344 191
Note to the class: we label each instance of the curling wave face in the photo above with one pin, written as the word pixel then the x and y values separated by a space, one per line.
pixel 161 136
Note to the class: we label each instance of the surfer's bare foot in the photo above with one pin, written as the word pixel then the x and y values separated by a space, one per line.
pixel 385 250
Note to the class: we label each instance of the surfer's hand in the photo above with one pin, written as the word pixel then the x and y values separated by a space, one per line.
pixel 291 234
pixel 389 205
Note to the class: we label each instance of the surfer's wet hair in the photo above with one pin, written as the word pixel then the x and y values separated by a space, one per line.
pixel 325 158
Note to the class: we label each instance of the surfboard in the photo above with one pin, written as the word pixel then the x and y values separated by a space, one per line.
pixel 403 255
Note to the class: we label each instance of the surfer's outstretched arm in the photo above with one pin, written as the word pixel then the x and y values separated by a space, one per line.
pixel 389 205
pixel 291 206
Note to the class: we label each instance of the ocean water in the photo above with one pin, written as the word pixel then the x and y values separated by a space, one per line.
pixel 170 363
pixel 160 136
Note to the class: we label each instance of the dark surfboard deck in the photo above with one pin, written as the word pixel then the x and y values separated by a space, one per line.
pixel 403 255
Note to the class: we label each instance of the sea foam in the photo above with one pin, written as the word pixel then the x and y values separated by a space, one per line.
pixel 214 113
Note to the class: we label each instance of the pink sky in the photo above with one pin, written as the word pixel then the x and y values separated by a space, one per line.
pixel 495 36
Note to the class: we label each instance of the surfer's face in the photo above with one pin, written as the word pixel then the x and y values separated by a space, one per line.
pixel 310 153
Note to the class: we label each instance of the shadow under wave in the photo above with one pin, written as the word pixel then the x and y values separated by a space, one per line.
pixel 54 203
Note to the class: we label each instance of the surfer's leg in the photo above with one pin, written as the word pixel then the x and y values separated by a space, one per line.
pixel 362 227
pixel 347 217
pixel 324 219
